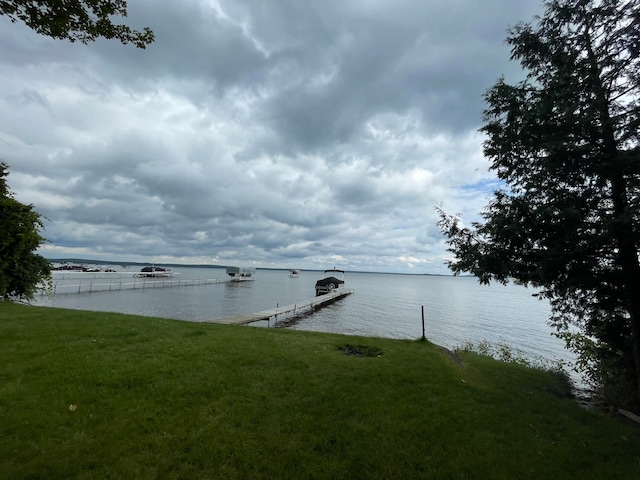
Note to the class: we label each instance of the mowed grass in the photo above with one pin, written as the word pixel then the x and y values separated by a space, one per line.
pixel 87 395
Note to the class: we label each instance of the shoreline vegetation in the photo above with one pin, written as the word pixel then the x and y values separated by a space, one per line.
pixel 105 395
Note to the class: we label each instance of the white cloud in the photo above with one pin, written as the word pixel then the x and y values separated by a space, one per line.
pixel 271 133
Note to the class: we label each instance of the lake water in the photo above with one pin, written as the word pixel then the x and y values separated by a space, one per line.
pixel 456 309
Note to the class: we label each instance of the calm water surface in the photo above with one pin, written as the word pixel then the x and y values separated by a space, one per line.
pixel 457 309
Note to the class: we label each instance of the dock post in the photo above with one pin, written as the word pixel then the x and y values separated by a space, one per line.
pixel 423 337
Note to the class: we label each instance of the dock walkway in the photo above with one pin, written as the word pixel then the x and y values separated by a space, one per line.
pixel 289 310
pixel 105 284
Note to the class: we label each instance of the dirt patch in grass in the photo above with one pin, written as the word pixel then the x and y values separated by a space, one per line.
pixel 453 355
pixel 360 350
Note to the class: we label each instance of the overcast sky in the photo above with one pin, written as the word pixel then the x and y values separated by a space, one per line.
pixel 279 134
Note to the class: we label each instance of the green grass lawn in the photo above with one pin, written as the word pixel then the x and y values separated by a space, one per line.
pixel 94 395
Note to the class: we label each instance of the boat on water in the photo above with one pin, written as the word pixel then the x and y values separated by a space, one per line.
pixel 241 274
pixel 331 281
pixel 66 266
pixel 294 273
pixel 155 272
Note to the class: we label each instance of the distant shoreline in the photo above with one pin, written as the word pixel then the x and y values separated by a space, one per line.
pixel 202 265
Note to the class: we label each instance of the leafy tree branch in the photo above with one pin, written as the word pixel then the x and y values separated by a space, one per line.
pixel 76 20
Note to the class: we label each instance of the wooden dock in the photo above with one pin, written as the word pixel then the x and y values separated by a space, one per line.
pixel 288 311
